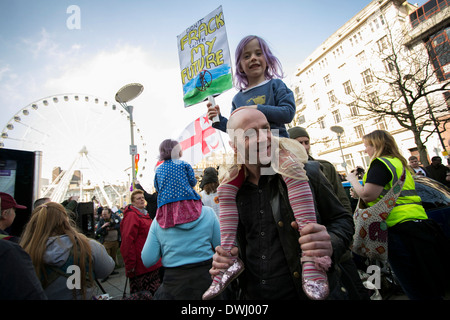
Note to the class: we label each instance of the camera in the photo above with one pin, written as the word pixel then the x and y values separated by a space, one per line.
pixel 359 172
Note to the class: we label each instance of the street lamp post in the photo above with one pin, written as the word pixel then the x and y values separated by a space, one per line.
pixel 339 130
pixel 124 95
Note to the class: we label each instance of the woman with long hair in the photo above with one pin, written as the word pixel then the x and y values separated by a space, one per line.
pixel 59 252
pixel 415 252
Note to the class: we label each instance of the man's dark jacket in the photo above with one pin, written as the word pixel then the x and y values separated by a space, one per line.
pixel 330 213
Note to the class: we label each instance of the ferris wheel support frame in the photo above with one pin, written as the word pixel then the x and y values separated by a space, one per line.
pixel 100 183
pixel 62 186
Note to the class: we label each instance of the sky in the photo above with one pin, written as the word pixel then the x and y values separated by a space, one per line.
pixel 118 42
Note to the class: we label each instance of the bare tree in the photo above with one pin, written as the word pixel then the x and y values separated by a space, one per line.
pixel 402 84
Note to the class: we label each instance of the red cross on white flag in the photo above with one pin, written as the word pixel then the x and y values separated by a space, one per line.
pixel 198 140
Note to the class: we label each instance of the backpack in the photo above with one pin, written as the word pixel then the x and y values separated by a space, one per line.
pixel 54 273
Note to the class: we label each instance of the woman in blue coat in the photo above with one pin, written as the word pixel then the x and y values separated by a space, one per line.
pixel 184 233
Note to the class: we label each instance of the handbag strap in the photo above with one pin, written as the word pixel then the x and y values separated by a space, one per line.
pixel 404 193
pixel 397 187
pixel 393 169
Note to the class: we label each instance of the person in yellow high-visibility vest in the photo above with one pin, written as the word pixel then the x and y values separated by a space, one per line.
pixel 415 250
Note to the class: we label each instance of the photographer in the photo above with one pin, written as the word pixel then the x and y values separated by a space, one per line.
pixel 108 233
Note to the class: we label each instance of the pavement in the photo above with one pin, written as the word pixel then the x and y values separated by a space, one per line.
pixel 114 284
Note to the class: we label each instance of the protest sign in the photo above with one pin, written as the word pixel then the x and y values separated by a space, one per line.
pixel 205 59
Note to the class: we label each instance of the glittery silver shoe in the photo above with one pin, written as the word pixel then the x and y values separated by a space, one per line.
pixel 229 275
pixel 316 289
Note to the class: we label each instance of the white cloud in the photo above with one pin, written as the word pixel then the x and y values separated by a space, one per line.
pixel 76 47
pixel 4 71
pixel 44 45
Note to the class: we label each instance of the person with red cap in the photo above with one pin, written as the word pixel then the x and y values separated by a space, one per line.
pixel 17 276
pixel 8 214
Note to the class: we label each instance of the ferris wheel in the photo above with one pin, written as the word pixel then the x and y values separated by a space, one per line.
pixel 79 136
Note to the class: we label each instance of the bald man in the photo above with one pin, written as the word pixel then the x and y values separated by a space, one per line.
pixel 268 243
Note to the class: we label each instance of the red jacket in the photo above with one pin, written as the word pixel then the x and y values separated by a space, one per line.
pixel 134 228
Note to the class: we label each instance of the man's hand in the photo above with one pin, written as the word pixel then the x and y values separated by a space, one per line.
pixel 221 260
pixel 314 240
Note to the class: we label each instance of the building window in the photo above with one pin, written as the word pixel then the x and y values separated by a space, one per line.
pixel 317 104
pixel 354 111
pixel 361 57
pixel 332 97
pixel 381 123
pixel 327 80
pixel 349 160
pixel 396 92
pixel 321 123
pixel 376 23
pixel 323 63
pixel 359 130
pixel 338 52
pixel 301 119
pixel 355 39
pixel 310 72
pixel 367 76
pixel 447 98
pixel 382 44
pixel 389 65
pixel 347 87
pixel 427 11
pixel 337 116
pixel 439 51
pixel 313 89
pixel 373 99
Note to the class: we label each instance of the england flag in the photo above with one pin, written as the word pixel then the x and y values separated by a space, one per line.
pixel 199 139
